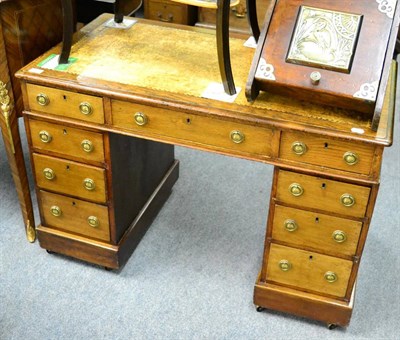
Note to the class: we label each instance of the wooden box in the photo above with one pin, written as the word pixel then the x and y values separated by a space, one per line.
pixel 330 52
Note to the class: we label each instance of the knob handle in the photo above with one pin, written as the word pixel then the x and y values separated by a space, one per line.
pixel 86 108
pixel 87 145
pixel 290 225
pixel 330 277
pixel 49 174
pixel 42 99
pixel 339 236
pixel 89 184
pixel 347 200
pixel 285 265
pixel 45 136
pixel 55 211
pixel 299 148
pixel 93 221
pixel 296 189
pixel 140 118
pixel 315 77
pixel 351 158
pixel 237 136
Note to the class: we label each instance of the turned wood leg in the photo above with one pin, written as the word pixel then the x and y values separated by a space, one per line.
pixel 12 142
pixel 252 18
pixel 68 30
pixel 118 11
pixel 224 58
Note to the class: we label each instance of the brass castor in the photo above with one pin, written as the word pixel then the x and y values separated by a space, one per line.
pixel 332 326
pixel 259 309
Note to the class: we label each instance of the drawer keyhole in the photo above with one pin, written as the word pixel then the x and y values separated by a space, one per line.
pixel 64 97
pixel 310 257
pixel 188 121
pixel 317 220
pixel 64 132
pixel 323 186
pixel 326 145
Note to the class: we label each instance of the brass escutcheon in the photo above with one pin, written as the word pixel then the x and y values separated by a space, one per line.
pixel 285 265
pixel 49 174
pixel 45 136
pixel 55 211
pixel 42 99
pixel 347 200
pixel 93 221
pixel 290 225
pixel 87 145
pixel 89 184
pixel 296 189
pixel 237 136
pixel 299 148
pixel 330 277
pixel 339 236
pixel 85 108
pixel 140 118
pixel 350 158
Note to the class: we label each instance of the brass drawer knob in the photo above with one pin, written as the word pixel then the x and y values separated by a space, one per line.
pixel 237 136
pixel 86 108
pixel 87 146
pixel 351 158
pixel 42 99
pixel 49 174
pixel 55 211
pixel 93 221
pixel 290 225
pixel 45 136
pixel 140 118
pixel 315 77
pixel 347 200
pixel 285 265
pixel 299 148
pixel 330 277
pixel 296 189
pixel 339 236
pixel 89 184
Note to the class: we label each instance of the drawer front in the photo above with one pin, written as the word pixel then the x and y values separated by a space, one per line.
pixel 199 130
pixel 167 12
pixel 65 103
pixel 323 194
pixel 352 157
pixel 71 178
pixel 308 270
pixel 67 141
pixel 318 231
pixel 76 216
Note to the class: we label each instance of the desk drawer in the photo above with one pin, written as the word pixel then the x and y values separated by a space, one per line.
pixel 212 133
pixel 167 12
pixel 323 194
pixel 70 178
pixel 308 270
pixel 331 153
pixel 65 103
pixel 67 141
pixel 305 229
pixel 73 215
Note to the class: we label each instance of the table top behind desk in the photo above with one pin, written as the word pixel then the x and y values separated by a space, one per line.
pixel 170 66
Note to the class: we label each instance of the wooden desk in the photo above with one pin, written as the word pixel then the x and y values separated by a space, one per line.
pixel 101 137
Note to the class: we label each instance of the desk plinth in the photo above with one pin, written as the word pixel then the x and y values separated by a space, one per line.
pixel 327 161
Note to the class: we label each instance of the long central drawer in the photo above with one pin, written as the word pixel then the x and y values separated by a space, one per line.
pixel 193 129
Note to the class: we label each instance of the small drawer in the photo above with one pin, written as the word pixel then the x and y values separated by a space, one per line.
pixel 167 12
pixel 323 194
pixel 325 152
pixel 65 103
pixel 67 141
pixel 199 130
pixel 305 229
pixel 70 178
pixel 76 216
pixel 307 270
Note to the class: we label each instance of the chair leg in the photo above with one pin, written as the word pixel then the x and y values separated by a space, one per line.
pixel 252 18
pixel 118 11
pixel 68 31
pixel 224 59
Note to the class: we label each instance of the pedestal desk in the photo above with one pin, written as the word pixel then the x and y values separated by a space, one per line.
pixel 102 133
